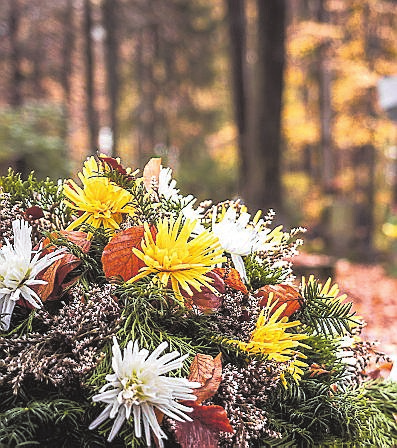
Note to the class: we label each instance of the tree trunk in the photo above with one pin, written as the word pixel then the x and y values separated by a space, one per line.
pixel 327 155
pixel 145 113
pixel 67 49
pixel 237 35
pixel 109 17
pixel 91 113
pixel 15 54
pixel 263 188
pixel 38 57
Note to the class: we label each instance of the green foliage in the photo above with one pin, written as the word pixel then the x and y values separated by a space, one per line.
pixel 46 423
pixel 325 314
pixel 34 138
pixel 312 415
pixel 261 272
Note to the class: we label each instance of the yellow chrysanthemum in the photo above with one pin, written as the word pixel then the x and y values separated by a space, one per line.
pixel 177 257
pixel 270 337
pixel 102 203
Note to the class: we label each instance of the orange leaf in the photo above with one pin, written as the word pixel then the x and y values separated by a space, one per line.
pixel 201 368
pixel 282 293
pixel 118 258
pixel 381 370
pixel 232 278
pixel 78 238
pixel 208 372
pixel 316 369
pixel 151 171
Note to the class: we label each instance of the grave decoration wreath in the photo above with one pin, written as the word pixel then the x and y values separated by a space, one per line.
pixel 131 317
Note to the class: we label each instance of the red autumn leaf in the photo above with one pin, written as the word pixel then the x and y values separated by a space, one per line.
pixel 34 212
pixel 208 372
pixel 208 421
pixel 206 300
pixel 114 164
pixel 213 417
pixel 282 293
pixel 151 171
pixel 118 258
pixel 232 278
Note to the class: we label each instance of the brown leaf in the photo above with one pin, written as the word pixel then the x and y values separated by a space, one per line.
pixel 208 372
pixel 151 171
pixel 118 258
pixel 282 293
pixel 232 278
pixel 201 368
pixel 56 273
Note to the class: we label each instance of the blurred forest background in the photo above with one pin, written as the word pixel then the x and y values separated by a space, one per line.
pixel 273 101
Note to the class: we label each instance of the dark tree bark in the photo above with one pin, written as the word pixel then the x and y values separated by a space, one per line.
pixel 67 49
pixel 145 114
pixel 38 57
pixel 327 154
pixel 237 35
pixel 91 113
pixel 109 16
pixel 15 54
pixel 263 189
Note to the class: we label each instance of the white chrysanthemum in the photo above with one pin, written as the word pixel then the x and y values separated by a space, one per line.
pixel 18 271
pixel 239 237
pixel 167 185
pixel 194 215
pixel 137 386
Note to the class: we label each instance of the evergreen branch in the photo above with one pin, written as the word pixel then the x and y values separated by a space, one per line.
pixel 325 315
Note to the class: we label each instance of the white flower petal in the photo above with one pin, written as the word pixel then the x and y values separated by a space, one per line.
pixel 101 418
pixel 118 423
pixel 138 384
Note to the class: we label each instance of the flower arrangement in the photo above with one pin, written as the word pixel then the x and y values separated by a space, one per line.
pixel 130 317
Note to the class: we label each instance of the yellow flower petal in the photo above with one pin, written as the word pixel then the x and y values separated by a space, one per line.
pixel 175 256
pixel 102 203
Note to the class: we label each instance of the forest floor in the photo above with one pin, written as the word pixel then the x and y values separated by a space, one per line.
pixel 373 293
